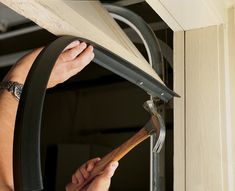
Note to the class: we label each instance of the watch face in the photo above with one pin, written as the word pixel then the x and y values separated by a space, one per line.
pixel 17 91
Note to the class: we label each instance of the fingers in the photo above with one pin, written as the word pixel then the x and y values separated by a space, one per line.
pixel 70 62
pixel 72 45
pixel 91 164
pixel 71 187
pixel 102 182
pixel 83 172
pixel 75 66
pixel 109 170
pixel 72 53
pixel 82 60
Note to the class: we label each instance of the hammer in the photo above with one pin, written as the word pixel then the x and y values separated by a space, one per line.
pixel 154 126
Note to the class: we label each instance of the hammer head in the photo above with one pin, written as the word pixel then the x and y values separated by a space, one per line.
pixel 156 121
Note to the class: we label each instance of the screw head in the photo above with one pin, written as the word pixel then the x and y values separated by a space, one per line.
pixel 140 83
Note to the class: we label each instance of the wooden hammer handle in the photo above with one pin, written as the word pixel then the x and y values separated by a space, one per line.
pixel 116 155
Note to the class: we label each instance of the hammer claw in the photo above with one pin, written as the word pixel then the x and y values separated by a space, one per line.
pixel 152 109
pixel 154 127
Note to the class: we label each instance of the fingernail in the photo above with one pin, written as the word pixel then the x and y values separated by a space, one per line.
pixel 83 44
pixel 91 47
pixel 115 165
pixel 74 180
pixel 75 42
pixel 89 167
pixel 98 159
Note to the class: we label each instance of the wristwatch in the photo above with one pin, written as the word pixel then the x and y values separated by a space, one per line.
pixel 14 87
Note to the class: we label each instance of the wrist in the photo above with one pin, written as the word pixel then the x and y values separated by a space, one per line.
pixel 13 87
pixel 15 75
pixel 14 79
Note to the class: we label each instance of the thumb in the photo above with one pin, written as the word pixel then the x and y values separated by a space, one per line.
pixel 102 182
pixel 109 170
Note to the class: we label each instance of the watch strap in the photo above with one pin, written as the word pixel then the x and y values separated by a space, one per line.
pixel 14 87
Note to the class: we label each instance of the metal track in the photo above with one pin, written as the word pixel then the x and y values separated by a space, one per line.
pixel 152 46
pixel 26 152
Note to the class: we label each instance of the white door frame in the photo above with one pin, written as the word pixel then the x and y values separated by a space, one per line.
pixel 204 135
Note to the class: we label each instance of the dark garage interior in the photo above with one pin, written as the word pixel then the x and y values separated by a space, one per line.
pixel 96 110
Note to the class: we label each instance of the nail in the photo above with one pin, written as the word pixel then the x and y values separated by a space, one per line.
pixel 97 160
pixel 90 47
pixel 115 165
pixel 89 167
pixel 75 42
pixel 83 44
pixel 74 180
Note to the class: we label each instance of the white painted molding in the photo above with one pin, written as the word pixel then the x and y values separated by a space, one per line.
pixel 230 3
pixel 191 14
pixel 229 87
pixel 204 109
pixel 179 113
pixel 166 16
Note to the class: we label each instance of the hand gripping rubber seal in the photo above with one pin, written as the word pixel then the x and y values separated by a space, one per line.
pixel 26 151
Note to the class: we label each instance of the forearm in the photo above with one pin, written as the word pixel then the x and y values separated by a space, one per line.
pixel 67 65
pixel 8 108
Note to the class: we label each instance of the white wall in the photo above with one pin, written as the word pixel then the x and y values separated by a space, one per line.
pixel 205 73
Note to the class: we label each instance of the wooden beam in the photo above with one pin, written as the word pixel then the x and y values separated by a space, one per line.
pixel 87 19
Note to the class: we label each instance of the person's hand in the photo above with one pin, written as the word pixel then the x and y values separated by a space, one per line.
pixel 71 61
pixel 100 183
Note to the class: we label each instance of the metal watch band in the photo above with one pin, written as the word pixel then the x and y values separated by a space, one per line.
pixel 14 87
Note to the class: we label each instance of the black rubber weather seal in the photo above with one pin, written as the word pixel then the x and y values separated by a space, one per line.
pixel 26 152
pixel 143 30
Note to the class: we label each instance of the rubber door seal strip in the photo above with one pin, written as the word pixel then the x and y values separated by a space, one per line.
pixel 26 151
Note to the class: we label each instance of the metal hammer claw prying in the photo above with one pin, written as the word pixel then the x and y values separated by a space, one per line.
pixel 152 109
pixel 154 126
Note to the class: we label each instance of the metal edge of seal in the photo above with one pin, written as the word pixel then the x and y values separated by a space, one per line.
pixel 26 151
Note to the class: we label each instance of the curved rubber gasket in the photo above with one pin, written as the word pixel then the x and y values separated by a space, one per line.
pixel 26 153
pixel 145 30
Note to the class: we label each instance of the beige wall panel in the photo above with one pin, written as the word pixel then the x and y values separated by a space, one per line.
pixel 230 95
pixel 203 110
pixel 179 113
pixel 222 95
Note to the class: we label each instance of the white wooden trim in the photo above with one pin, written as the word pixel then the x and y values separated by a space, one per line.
pixel 179 113
pixel 207 92
pixel 190 14
pixel 204 58
pixel 164 13
pixel 229 72
pixel 230 3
